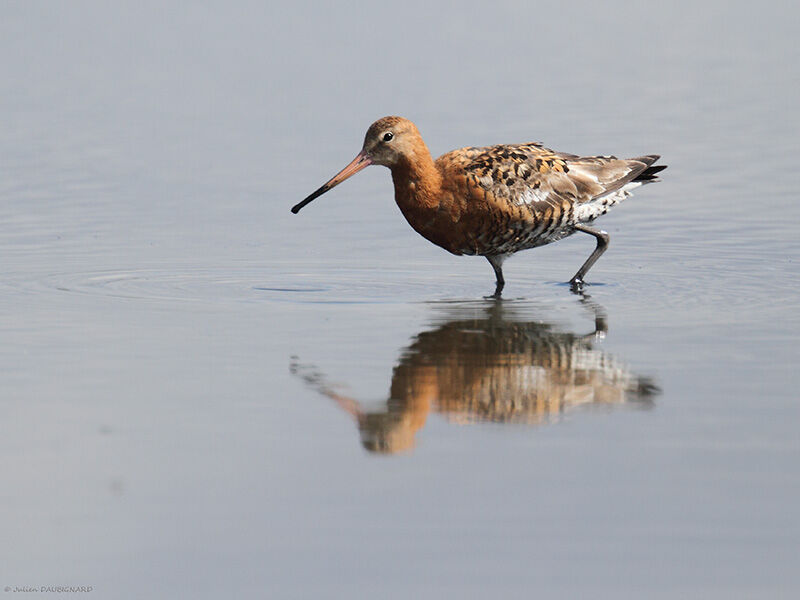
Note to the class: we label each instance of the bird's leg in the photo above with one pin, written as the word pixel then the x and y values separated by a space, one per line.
pixel 497 265
pixel 602 244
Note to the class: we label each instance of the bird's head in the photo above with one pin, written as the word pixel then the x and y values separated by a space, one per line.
pixel 388 142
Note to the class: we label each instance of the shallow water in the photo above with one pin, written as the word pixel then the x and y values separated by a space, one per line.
pixel 207 396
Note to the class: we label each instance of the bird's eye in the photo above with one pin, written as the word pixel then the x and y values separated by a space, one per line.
pixel 388 136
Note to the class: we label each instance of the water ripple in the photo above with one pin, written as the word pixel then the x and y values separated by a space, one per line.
pixel 248 284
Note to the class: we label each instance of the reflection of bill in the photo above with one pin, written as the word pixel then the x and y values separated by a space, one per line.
pixel 493 368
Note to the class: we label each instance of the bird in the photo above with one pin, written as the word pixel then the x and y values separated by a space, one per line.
pixel 495 201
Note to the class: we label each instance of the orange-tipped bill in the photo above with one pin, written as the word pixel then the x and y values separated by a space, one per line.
pixel 359 162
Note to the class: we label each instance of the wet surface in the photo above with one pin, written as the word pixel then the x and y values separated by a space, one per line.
pixel 206 395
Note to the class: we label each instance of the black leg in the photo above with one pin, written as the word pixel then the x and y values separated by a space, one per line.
pixel 602 244
pixel 497 265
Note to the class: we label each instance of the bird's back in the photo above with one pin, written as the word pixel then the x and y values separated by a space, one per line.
pixel 511 197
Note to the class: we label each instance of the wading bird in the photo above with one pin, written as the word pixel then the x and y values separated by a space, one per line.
pixel 497 200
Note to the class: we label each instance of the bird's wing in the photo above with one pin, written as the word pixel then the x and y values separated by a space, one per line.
pixel 535 176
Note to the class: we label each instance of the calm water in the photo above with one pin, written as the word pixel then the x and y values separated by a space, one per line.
pixel 205 396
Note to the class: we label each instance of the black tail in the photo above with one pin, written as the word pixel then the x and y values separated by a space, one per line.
pixel 649 174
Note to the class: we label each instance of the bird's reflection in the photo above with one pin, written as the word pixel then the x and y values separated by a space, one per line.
pixel 494 367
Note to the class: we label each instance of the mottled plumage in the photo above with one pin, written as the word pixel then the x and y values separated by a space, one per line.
pixel 497 200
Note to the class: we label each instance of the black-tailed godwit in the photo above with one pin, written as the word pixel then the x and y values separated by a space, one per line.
pixel 497 200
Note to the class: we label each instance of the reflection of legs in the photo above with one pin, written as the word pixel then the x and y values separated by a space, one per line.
pixel 599 313
pixel 497 265
pixel 602 244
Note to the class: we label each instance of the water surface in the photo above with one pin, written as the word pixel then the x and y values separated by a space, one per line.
pixel 206 396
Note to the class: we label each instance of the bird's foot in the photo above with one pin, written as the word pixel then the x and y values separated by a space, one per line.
pixel 577 285
pixel 498 291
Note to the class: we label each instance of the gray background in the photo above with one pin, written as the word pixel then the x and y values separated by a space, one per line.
pixel 154 288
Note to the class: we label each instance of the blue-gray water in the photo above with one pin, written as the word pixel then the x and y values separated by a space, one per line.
pixel 183 362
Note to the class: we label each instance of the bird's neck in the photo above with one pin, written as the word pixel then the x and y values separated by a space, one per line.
pixel 417 182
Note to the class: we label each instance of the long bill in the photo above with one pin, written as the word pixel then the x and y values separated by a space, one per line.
pixel 359 162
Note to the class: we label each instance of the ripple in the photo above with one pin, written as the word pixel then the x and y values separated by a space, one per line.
pixel 716 286
pixel 246 284
pixel 290 289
